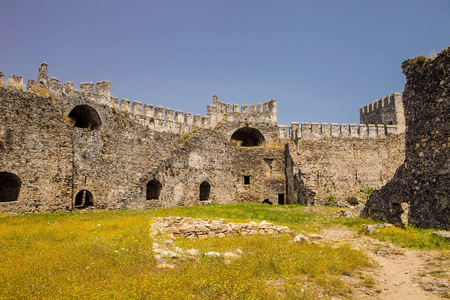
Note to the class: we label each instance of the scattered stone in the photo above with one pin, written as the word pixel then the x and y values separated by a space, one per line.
pixel 374 227
pixel 230 256
pixel 212 254
pixel 443 234
pixel 165 266
pixel 192 252
pixel 198 228
pixel 344 214
pixel 315 237
pixel 339 203
pixel 352 201
pixel 301 239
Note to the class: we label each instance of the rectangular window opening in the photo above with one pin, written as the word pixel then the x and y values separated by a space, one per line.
pixel 281 199
pixel 246 179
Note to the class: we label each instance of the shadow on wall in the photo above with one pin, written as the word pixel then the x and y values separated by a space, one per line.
pixel 85 116
pixel 10 185
pixel 250 137
pixel 84 199
pixel 153 189
pixel 205 189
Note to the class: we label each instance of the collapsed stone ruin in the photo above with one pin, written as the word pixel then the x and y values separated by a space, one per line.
pixel 423 180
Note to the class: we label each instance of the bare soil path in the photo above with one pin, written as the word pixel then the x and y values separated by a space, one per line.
pixel 399 273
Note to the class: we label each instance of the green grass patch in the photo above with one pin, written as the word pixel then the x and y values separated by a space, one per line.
pixel 108 255
pixel 412 237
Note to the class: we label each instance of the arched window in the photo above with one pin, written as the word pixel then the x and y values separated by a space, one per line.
pixel 250 137
pixel 84 199
pixel 9 187
pixel 85 116
pixel 153 189
pixel 205 189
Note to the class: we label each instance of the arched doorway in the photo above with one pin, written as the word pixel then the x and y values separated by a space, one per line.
pixel 153 189
pixel 250 137
pixel 84 199
pixel 9 187
pixel 205 189
pixel 85 116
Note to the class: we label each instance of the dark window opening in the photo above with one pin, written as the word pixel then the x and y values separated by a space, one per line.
pixel 266 201
pixel 85 116
pixel 153 189
pixel 84 199
pixel 9 187
pixel 205 189
pixel 281 199
pixel 246 179
pixel 250 137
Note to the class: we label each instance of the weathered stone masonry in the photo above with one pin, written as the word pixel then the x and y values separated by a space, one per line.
pixel 72 149
pixel 423 181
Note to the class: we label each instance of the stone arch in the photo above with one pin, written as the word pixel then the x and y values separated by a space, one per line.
pixel 10 185
pixel 205 190
pixel 153 189
pixel 85 116
pixel 267 201
pixel 250 137
pixel 84 199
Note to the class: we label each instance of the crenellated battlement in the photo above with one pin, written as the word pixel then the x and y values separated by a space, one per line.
pixel 378 119
pixel 314 131
pixel 387 110
pixel 155 117
pixel 252 114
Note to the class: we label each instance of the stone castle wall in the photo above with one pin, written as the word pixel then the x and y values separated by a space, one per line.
pixel 341 167
pixel 114 151
pixel 45 169
pixel 423 181
pixel 388 110
pixel 332 161
pixel 129 155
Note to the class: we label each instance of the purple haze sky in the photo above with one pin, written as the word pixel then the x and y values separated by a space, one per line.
pixel 321 60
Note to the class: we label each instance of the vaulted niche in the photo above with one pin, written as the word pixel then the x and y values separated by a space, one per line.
pixel 9 187
pixel 84 199
pixel 85 116
pixel 250 137
pixel 205 189
pixel 153 189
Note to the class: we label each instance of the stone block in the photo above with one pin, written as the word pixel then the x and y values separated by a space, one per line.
pixel 137 108
pixel 148 110
pixel 103 88
pixel 86 87
pixel 125 105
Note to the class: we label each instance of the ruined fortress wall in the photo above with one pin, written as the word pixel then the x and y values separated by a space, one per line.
pixel 265 171
pixel 388 110
pixel 113 150
pixel 203 157
pixel 208 156
pixel 114 163
pixel 341 167
pixel 260 113
pixel 55 160
pixel 423 181
pixel 35 146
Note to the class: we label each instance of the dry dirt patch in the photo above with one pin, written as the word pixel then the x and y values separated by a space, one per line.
pixel 399 273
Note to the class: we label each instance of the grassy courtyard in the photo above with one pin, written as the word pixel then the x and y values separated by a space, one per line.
pixel 108 255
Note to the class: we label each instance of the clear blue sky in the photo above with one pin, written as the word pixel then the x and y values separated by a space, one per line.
pixel 321 60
